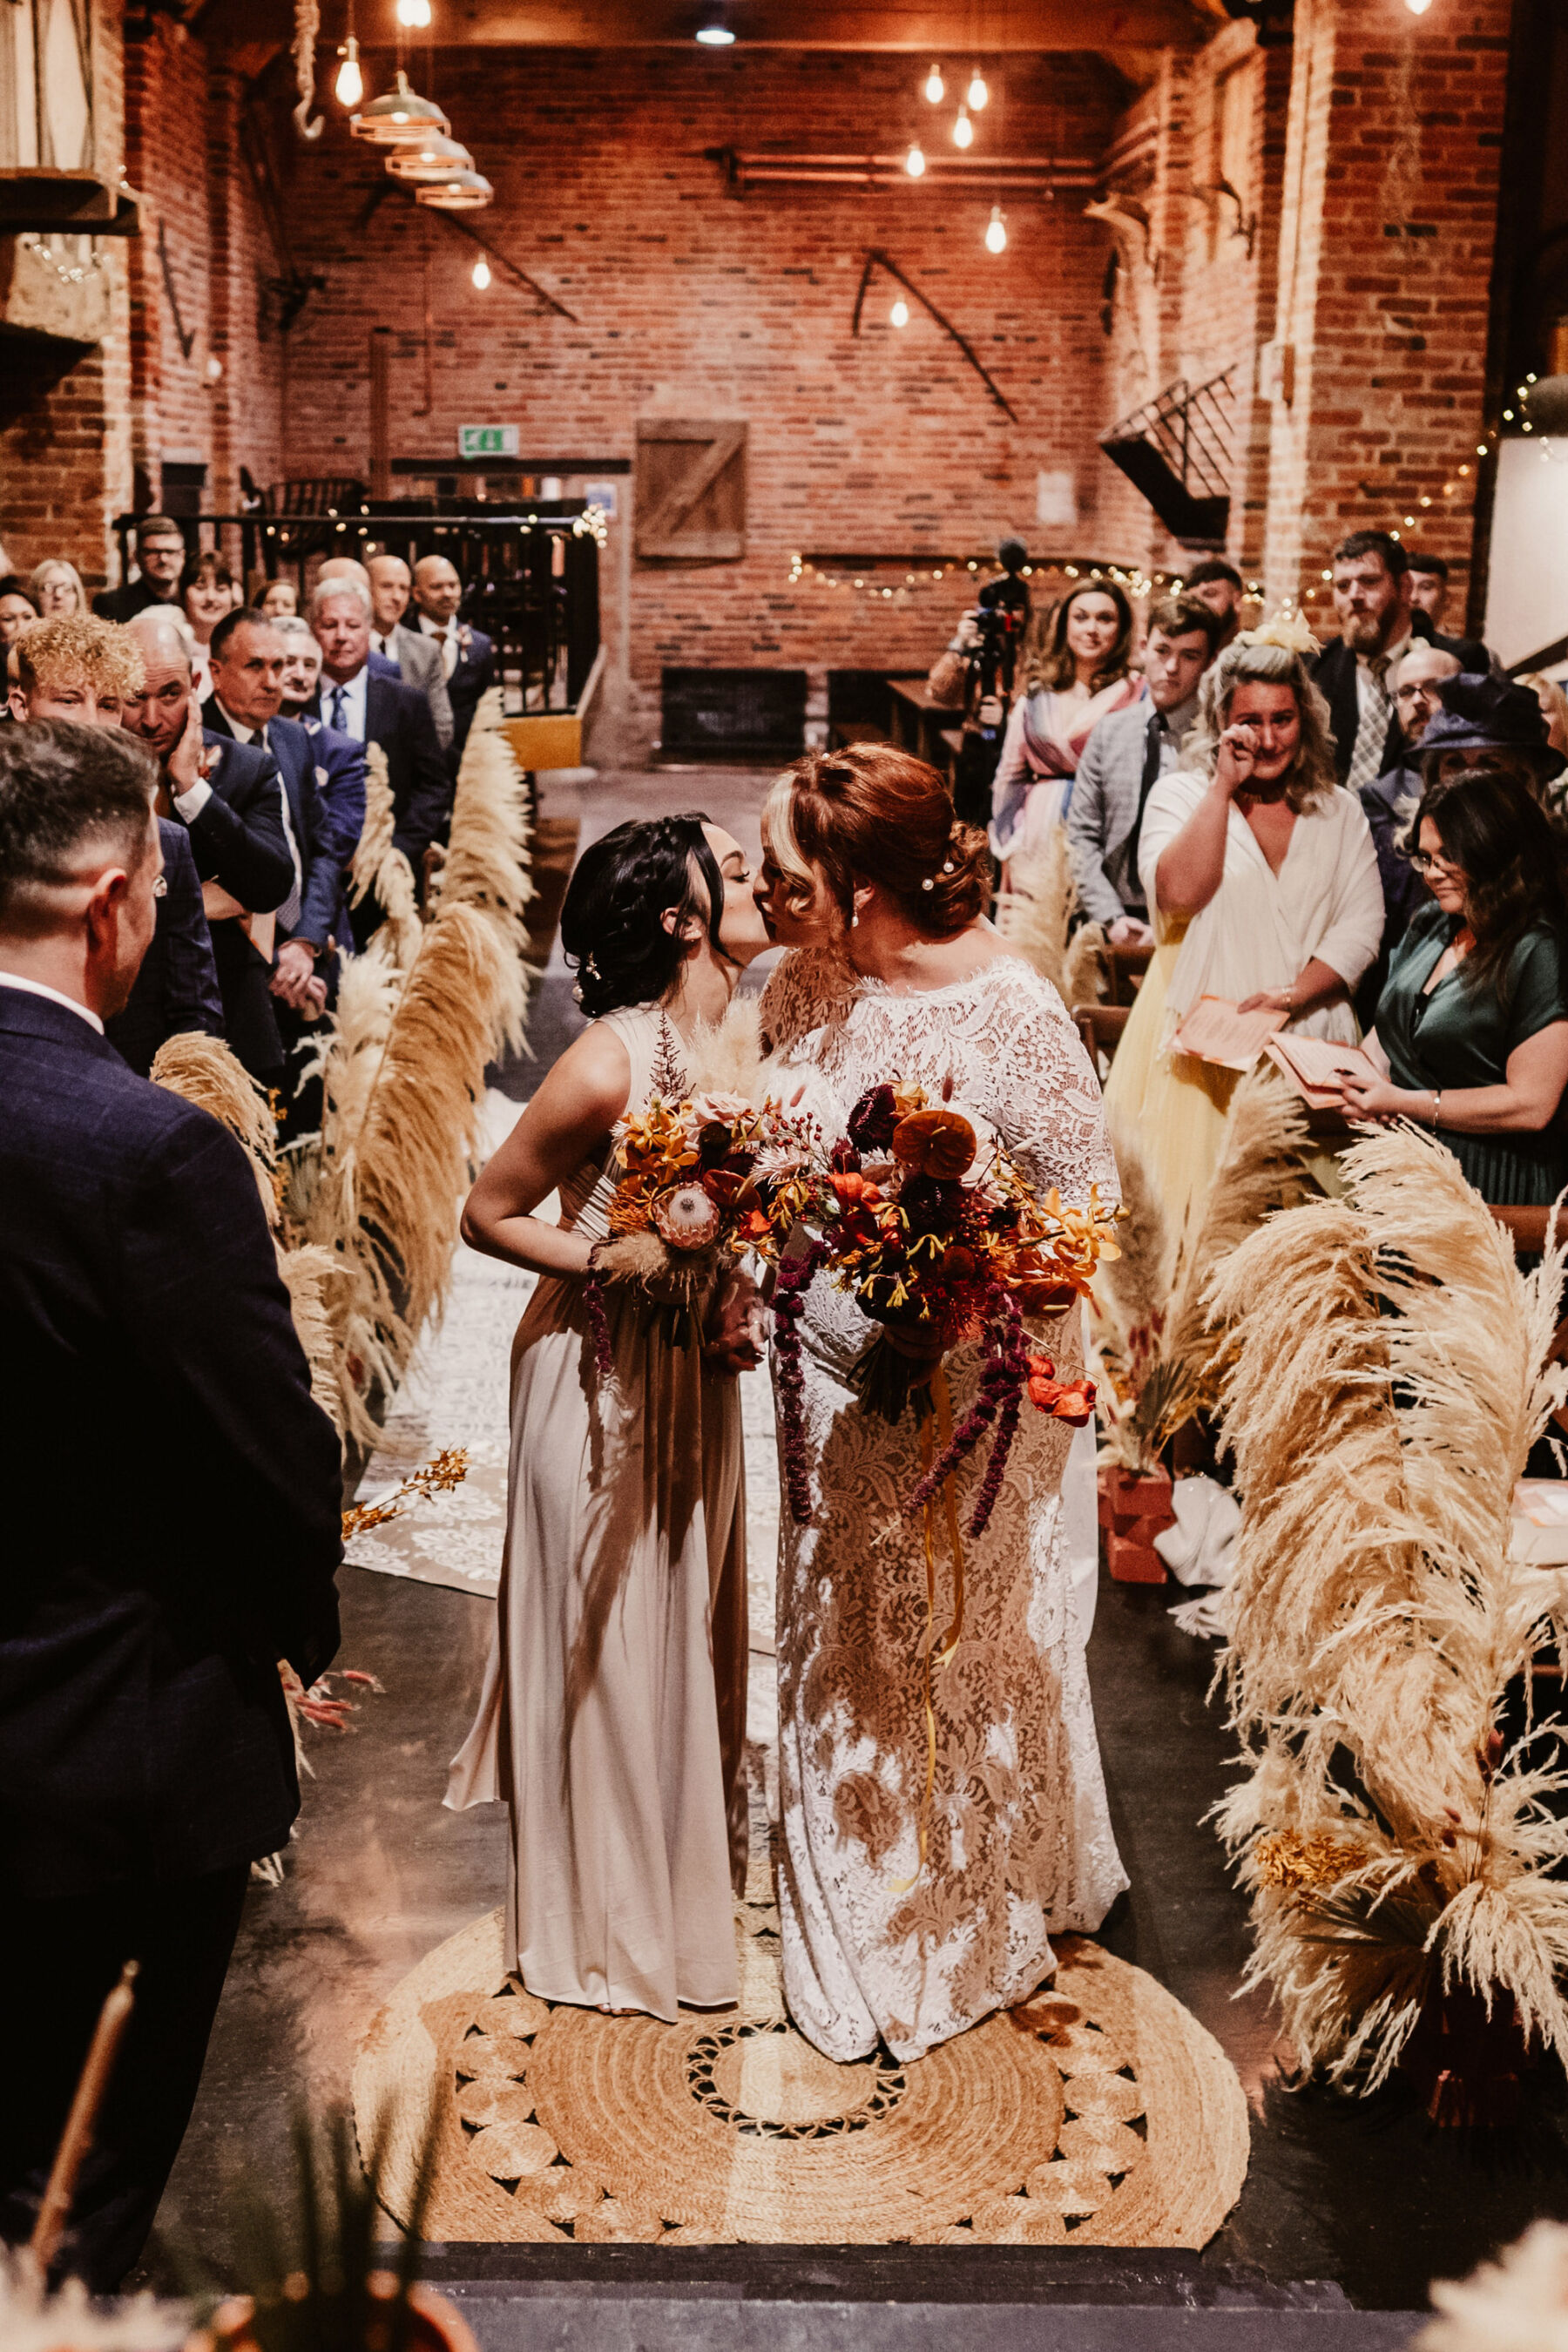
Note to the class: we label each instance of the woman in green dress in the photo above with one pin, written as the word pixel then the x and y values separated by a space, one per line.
pixel 1473 1019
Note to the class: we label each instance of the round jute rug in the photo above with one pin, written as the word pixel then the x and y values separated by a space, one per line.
pixel 1099 2112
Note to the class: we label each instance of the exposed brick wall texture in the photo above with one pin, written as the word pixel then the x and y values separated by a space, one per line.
pixel 1386 239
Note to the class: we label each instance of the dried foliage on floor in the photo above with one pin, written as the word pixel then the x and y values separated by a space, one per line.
pixel 1036 916
pixel 1402 1827
pixel 1517 2303
pixel 1160 1354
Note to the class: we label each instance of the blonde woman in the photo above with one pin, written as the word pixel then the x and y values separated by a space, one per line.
pixel 1548 692
pixel 57 591
pixel 1262 886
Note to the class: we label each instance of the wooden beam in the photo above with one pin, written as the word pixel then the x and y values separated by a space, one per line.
pixel 937 28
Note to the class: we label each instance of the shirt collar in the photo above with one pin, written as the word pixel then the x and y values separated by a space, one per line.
pixel 1389 656
pixel 38 988
pixel 438 628
pixel 1175 722
pixel 236 727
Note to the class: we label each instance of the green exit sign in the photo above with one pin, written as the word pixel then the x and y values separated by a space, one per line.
pixel 487 441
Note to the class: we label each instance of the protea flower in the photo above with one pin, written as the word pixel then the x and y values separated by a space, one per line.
pixel 686 1217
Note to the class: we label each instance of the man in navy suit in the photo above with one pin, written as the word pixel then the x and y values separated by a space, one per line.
pixel 355 700
pixel 467 655
pixel 323 785
pixel 80 668
pixel 183 1530
pixel 229 797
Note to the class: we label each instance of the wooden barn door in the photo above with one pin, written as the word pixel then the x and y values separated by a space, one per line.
pixel 690 492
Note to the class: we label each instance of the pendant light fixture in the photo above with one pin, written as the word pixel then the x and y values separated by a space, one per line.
pixel 915 161
pixel 349 87
pixel 434 156
pixel 963 129
pixel 715 31
pixel 899 313
pixel 460 191
pixel 935 87
pixel 996 231
pixel 978 95
pixel 399 118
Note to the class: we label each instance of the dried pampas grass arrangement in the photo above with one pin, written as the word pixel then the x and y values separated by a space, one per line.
pixel 420 1017
pixel 1402 1826
pixel 725 1057
pixel 205 1070
pixel 1036 915
pixel 378 869
pixel 1517 2303
pixel 1159 1349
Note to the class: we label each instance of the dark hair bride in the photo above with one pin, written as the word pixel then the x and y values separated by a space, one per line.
pixel 611 931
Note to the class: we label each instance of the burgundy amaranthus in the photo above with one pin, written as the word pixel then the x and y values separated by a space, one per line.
pixel 1003 1380
pixel 599 1324
pixel 793 1280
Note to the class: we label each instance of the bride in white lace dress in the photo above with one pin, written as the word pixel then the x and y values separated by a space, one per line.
pixel 917 986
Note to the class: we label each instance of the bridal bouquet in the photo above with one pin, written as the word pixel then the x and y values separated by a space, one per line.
pixel 921 1214
pixel 698 1183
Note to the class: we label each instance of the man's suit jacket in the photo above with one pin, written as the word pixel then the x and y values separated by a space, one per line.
pixel 1334 670
pixel 124 603
pixel 181 1529
pixel 1103 809
pixel 398 716
pixel 418 661
pixel 473 677
pixel 239 842
pixel 323 775
pixel 177 986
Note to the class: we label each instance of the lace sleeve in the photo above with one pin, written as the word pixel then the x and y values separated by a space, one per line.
pixel 1054 1118
pixel 808 987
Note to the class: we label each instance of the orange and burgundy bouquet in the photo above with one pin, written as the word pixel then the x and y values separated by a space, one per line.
pixel 698 1183
pixel 923 1216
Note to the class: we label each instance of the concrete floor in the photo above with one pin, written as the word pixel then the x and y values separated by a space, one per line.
pixel 1363 2197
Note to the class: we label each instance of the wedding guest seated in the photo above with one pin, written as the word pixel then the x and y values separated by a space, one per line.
pixel 208 591
pixel 84 670
pixel 1216 583
pixel 1076 662
pixel 161 562
pixel 467 655
pixel 1426 577
pixel 187 1528
pixel 1490 723
pixel 1261 882
pixel 1390 803
pixel 391 584
pixel 229 797
pixel 57 589
pixel 374 708
pixel 301 666
pixel 1123 760
pixel 18 607
pixel 323 782
pixel 1473 1023
pixel 1549 693
pixel 276 598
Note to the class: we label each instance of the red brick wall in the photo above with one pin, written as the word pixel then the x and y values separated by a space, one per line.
pixel 689 303
pixel 1386 237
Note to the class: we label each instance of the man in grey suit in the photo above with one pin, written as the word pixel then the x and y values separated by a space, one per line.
pixel 416 655
pixel 1125 759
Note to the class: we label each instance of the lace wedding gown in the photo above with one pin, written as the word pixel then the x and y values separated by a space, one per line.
pixel 612 1716
pixel 1020 1837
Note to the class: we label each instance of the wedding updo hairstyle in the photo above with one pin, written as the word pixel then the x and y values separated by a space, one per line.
pixel 1310 780
pixel 611 931
pixel 874 814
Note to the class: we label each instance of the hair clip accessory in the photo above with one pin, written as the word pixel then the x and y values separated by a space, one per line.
pixel 948 867
pixel 928 884
pixel 576 992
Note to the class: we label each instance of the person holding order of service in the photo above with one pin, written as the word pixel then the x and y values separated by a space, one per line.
pixel 1472 1024
pixel 1262 886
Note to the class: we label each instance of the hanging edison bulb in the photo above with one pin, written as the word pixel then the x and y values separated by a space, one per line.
pixel 996 231
pixel 349 86
pixel 481 273
pixel 915 161
pixel 963 129
pixel 978 95
pixel 413 13
pixel 1418 7
pixel 899 313
pixel 935 87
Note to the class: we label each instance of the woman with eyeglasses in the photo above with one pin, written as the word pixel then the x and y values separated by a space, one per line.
pixel 1473 1019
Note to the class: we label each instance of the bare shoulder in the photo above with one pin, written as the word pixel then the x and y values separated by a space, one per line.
pixel 592 1080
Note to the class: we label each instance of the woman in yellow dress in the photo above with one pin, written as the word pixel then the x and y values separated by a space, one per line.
pixel 1261 883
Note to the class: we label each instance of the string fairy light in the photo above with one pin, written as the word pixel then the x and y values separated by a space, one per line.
pixel 915 161
pixel 926 574
pixel 935 87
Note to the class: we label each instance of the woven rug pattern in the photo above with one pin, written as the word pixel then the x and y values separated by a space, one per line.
pixel 1099 2112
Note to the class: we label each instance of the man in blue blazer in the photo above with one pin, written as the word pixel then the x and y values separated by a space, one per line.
pixel 182 1529
pixel 229 797
pixel 79 668
pixel 467 655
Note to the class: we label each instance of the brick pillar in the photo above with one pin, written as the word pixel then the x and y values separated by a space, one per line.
pixel 1387 228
